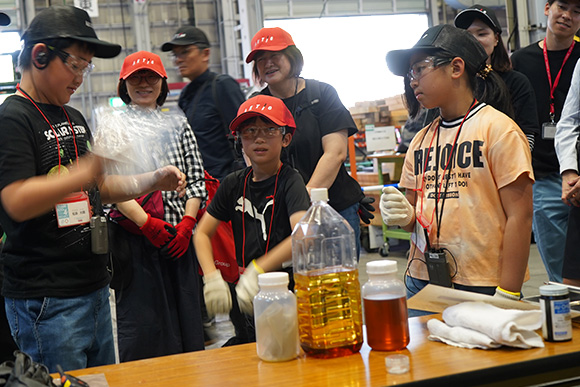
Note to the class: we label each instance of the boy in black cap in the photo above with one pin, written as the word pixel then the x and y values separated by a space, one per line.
pixel 56 284
pixel 467 176
pixel 210 101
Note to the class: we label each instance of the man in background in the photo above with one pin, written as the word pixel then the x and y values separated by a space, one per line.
pixel 551 80
pixel 210 101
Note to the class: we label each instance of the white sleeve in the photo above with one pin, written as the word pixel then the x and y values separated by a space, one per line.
pixel 568 126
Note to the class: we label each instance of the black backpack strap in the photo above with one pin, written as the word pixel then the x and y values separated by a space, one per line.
pixel 312 96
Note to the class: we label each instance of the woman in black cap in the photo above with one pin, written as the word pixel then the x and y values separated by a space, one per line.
pixel 482 23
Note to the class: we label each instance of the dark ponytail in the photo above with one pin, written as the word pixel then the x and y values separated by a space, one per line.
pixel 491 89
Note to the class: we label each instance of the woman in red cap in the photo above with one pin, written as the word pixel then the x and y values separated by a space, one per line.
pixel 154 265
pixel 323 125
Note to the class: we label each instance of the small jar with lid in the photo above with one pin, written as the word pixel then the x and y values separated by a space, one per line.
pixel 385 307
pixel 275 316
pixel 557 319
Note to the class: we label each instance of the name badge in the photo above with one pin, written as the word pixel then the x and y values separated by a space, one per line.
pixel 418 234
pixel 75 209
pixel 548 130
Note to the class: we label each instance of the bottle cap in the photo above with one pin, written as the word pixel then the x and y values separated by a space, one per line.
pixel 383 266
pixel 273 278
pixel 397 364
pixel 553 290
pixel 318 194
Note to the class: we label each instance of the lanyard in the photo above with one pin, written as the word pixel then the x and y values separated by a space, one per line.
pixel 439 214
pixel 51 128
pixel 244 212
pixel 557 80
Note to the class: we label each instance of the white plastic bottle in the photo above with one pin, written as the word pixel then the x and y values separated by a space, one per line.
pixel 327 285
pixel 385 307
pixel 275 319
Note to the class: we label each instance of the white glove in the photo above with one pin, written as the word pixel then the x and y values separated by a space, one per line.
pixel 500 293
pixel 395 208
pixel 247 287
pixel 216 293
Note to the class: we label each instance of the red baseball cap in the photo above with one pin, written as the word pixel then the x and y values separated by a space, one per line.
pixel 142 60
pixel 269 39
pixel 266 106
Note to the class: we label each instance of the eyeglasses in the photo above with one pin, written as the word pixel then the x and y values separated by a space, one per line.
pixel 77 65
pixel 419 69
pixel 251 133
pixel 183 53
pixel 136 79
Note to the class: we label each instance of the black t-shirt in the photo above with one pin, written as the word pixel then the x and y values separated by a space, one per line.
pixel 314 120
pixel 210 107
pixel 523 101
pixel 530 62
pixel 252 221
pixel 40 259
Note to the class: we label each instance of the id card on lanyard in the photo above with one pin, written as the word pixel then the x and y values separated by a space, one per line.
pixel 549 128
pixel 75 209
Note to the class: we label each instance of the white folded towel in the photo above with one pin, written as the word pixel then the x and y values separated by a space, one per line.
pixel 459 336
pixel 510 327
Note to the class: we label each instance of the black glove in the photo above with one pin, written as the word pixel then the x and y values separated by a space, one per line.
pixel 365 209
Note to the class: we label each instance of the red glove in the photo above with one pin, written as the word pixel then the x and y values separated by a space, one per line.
pixel 158 231
pixel 179 245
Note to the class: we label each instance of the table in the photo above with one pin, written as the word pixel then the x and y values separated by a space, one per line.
pixel 432 364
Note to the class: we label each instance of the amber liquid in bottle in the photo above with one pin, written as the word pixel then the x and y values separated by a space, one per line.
pixel 329 312
pixel 387 322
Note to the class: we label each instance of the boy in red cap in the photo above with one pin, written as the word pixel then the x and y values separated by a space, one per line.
pixel 264 202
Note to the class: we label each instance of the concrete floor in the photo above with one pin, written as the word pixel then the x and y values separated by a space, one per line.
pixel 223 329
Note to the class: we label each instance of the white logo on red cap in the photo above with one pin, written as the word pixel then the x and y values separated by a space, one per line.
pixel 265 39
pixel 264 106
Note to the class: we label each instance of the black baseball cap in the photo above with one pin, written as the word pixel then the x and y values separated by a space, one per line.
pixel 441 38
pixel 185 36
pixel 4 19
pixel 487 15
pixel 65 21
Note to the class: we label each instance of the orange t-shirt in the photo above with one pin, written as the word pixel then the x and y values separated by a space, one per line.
pixel 491 152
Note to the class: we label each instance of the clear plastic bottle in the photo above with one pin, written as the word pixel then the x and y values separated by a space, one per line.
pixel 385 307
pixel 327 285
pixel 275 319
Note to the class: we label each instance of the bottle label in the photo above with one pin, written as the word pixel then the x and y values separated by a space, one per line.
pixel 557 323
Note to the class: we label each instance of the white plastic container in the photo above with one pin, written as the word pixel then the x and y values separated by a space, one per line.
pixel 327 285
pixel 385 307
pixel 275 319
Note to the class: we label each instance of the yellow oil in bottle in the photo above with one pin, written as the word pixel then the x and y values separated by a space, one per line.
pixel 329 312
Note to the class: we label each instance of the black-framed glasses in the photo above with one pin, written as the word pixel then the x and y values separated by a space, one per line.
pixel 419 69
pixel 77 65
pixel 150 78
pixel 252 132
